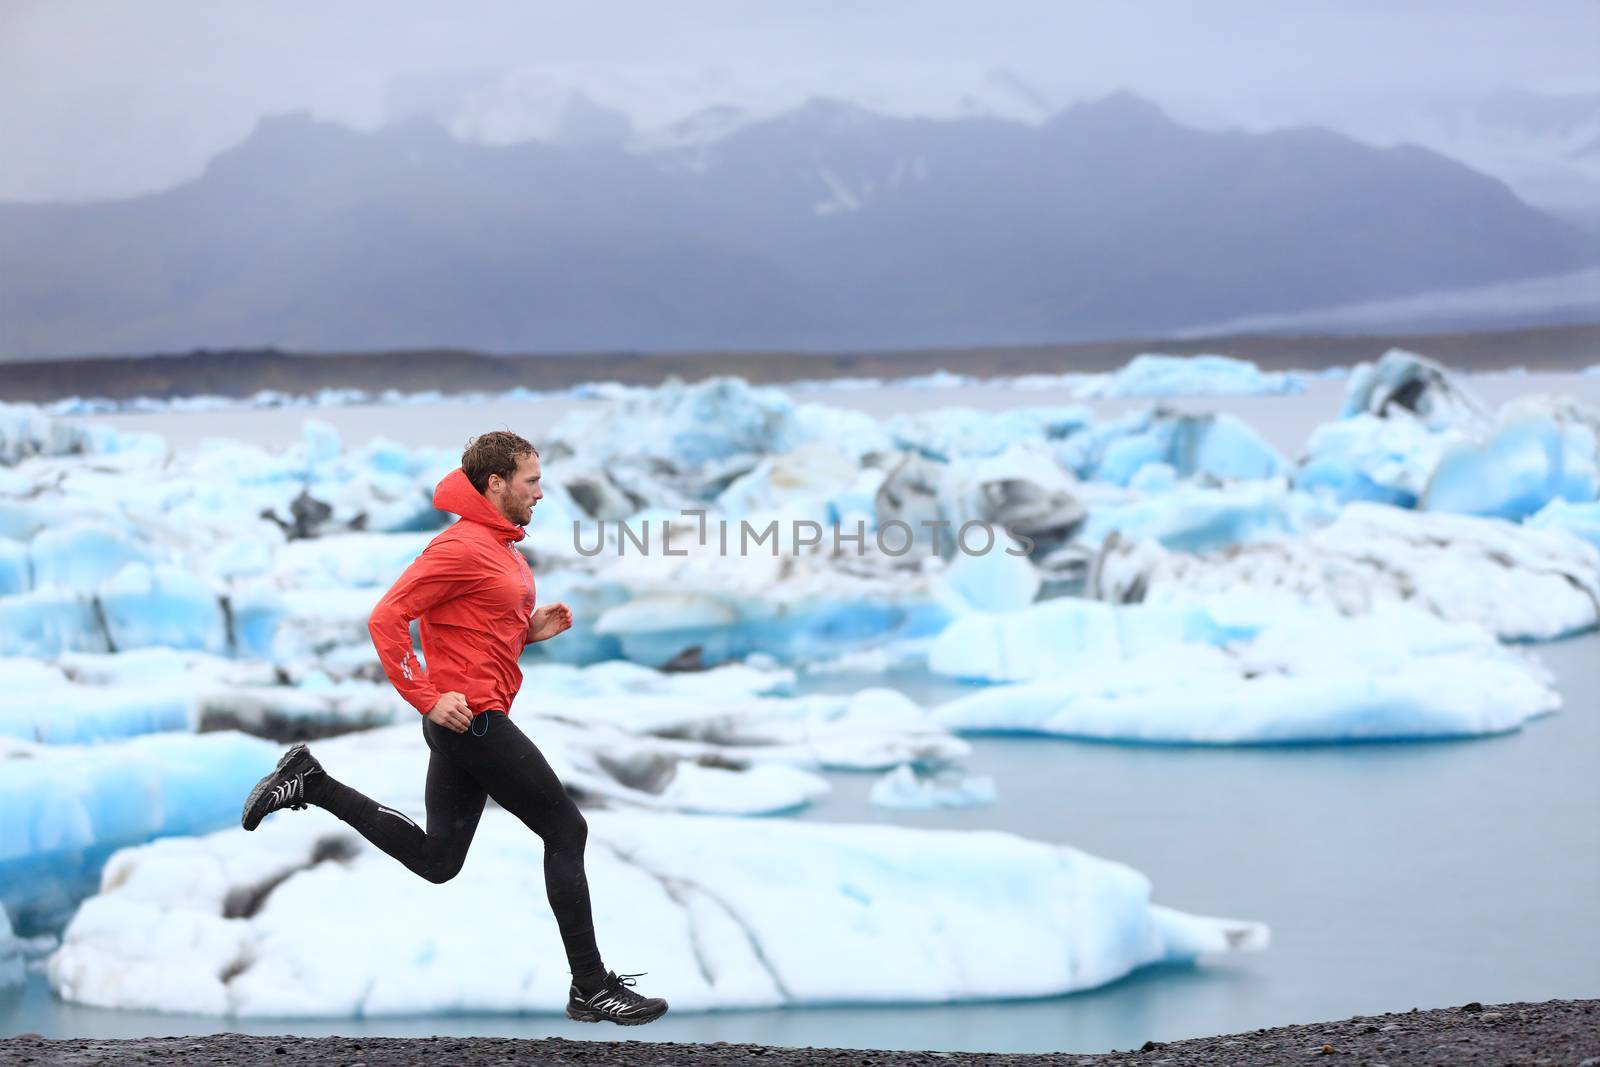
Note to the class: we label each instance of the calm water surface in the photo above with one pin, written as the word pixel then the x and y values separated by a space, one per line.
pixel 1393 876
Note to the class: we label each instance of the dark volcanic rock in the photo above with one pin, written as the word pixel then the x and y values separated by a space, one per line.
pixel 1555 1032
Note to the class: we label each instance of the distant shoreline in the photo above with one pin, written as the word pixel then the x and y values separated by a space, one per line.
pixel 243 372
pixel 1556 1031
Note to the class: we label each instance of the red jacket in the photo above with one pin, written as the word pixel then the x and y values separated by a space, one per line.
pixel 474 593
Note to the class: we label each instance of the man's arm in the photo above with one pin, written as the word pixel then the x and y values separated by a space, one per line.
pixel 442 572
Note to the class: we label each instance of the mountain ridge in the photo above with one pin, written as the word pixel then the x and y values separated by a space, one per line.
pixel 829 226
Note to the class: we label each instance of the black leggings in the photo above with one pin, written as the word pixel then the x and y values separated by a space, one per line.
pixel 491 759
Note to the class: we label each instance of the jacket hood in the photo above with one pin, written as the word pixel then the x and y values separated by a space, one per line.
pixel 455 494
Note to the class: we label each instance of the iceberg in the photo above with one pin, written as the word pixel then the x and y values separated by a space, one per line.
pixel 1522 466
pixel 1582 520
pixel 303 920
pixel 162 605
pixel 722 742
pixel 685 425
pixel 904 788
pixel 1412 437
pixel 1303 676
pixel 1368 457
pixel 16 568
pixel 65 808
pixel 1406 384
pixel 952 433
pixel 26 430
pixel 1519 582
pixel 1067 635
pixel 1157 375
pixel 44 623
pixel 1196 518
pixel 81 556
pixel 1214 447
pixel 45 706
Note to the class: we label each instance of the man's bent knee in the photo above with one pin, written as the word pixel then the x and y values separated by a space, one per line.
pixel 570 833
pixel 441 871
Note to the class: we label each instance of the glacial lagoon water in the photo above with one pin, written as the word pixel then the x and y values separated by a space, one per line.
pixel 1393 875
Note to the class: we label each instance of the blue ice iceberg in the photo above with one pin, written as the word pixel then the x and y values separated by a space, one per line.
pixel 1157 375
pixel 1518 581
pixel 1216 447
pixel 1292 674
pixel 913 916
pixel 64 809
pixel 1521 467
pixel 1582 520
pixel 904 788
pixel 1406 385
pixel 162 605
pixel 1193 518
pixel 1365 457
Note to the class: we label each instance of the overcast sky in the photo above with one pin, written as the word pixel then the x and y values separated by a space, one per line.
pixel 111 98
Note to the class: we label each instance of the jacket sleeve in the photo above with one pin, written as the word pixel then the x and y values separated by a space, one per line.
pixel 440 573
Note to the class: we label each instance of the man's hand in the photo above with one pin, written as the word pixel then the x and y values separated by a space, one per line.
pixel 548 621
pixel 452 712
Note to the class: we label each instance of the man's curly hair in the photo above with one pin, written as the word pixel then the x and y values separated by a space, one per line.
pixel 495 452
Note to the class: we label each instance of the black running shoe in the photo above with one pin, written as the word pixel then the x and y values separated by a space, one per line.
pixel 285 787
pixel 614 1002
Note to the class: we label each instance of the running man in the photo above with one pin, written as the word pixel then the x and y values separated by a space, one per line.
pixel 474 593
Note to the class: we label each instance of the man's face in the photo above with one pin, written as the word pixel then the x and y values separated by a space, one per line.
pixel 515 498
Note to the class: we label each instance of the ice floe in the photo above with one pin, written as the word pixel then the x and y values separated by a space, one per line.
pixel 64 808
pixel 1157 375
pixel 1267 671
pixel 1520 582
pixel 903 787
pixel 303 920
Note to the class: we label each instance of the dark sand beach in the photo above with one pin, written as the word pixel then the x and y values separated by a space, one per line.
pixel 1564 1032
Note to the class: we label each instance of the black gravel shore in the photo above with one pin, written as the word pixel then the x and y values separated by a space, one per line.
pixel 1561 1033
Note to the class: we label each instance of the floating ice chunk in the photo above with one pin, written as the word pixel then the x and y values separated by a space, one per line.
pixel 64 808
pixel 708 609
pixel 800 484
pixel 965 433
pixel 842 428
pixel 914 915
pixel 20 519
pixel 904 788
pixel 1580 519
pixel 1154 477
pixel 44 705
pixel 25 430
pixel 1217 447
pixel 46 623
pixel 1306 676
pixel 1524 465
pixel 1000 579
pixel 939 379
pixel 1156 375
pixel 1405 384
pixel 80 556
pixel 1368 457
pixel 686 425
pixel 1065 635
pixel 349 559
pixel 162 605
pixel 1194 518
pixel 1517 581
pixel 16 568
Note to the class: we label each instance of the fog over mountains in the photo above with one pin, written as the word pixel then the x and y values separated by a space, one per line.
pixel 825 227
